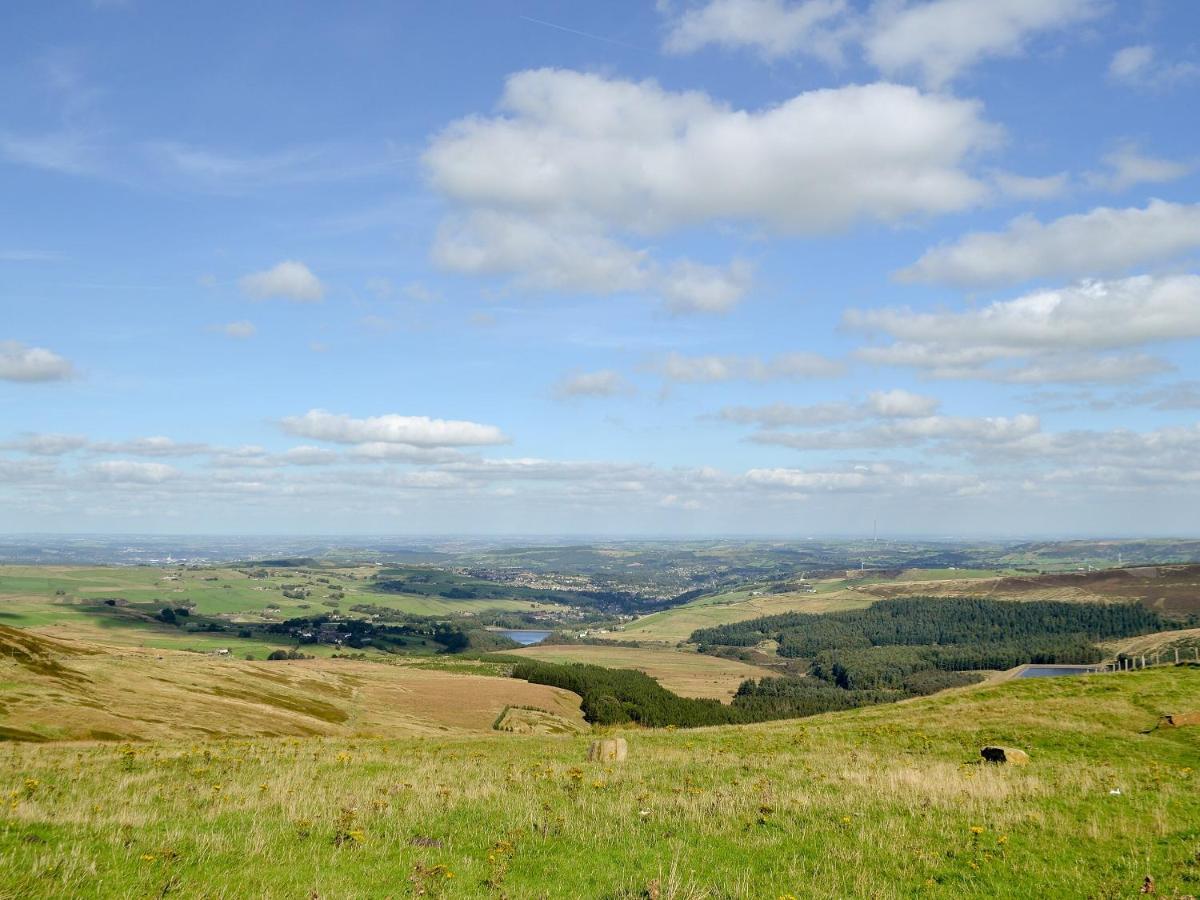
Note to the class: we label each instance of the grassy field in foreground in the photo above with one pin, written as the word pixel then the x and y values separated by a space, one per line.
pixel 687 674
pixel 883 802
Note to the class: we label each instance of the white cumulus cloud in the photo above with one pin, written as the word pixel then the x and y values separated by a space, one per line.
pixel 933 40
pixel 1139 65
pixel 771 27
pixel 417 431
pixel 939 39
pixel 560 189
pixel 19 362
pixel 892 404
pixel 290 279
pixel 1128 166
pixel 636 156
pixel 1100 242
pixel 1050 335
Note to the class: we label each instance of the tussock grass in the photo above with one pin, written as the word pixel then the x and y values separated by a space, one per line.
pixel 878 802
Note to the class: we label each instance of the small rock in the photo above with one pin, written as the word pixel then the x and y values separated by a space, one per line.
pixel 609 750
pixel 1009 755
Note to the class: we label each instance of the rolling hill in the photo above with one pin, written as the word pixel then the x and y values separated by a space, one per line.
pixel 71 690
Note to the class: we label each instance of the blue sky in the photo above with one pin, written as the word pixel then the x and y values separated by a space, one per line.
pixel 739 266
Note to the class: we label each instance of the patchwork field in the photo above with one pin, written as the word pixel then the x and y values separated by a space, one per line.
pixel 69 601
pixel 886 802
pixel 687 674
pixel 67 690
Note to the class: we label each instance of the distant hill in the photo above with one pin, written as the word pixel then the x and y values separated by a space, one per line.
pixel 1172 590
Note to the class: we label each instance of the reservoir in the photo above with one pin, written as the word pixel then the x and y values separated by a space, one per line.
pixel 1050 671
pixel 523 636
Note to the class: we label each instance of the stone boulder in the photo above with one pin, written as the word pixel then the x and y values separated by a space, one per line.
pixel 1009 755
pixel 609 750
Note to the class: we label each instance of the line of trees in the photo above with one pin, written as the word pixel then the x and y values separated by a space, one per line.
pixel 621 696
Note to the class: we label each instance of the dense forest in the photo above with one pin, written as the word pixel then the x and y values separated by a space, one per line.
pixel 619 696
pixel 912 643
pixel 927 620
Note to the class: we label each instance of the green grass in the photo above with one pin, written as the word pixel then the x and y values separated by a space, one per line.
pixel 231 594
pixel 882 802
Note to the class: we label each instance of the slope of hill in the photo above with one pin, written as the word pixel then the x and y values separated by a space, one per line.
pixel 1172 590
pixel 58 689
pixel 885 802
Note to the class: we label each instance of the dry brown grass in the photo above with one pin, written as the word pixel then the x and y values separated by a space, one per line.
pixel 687 674
pixel 1160 641
pixel 75 692
pixel 675 625
pixel 1171 590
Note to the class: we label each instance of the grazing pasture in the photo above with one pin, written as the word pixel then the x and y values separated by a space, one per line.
pixel 887 801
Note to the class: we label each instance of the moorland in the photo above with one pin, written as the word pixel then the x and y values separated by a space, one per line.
pixel 804 719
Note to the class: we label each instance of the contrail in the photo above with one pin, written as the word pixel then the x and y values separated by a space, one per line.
pixel 594 37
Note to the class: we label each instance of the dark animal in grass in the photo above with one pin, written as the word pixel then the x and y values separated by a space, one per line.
pixel 1009 755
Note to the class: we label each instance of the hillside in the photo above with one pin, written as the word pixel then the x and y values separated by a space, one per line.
pixel 69 690
pixel 1173 590
pixel 886 802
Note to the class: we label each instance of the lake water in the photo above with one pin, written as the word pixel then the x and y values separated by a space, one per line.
pixel 1051 671
pixel 523 636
